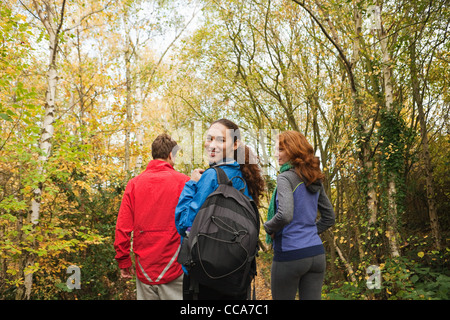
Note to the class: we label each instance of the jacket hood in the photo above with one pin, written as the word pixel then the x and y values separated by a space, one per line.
pixel 313 187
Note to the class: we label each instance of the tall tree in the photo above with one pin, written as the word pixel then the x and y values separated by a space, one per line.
pixel 392 212
pixel 52 18
pixel 419 68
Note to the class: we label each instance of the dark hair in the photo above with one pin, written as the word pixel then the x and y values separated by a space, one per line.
pixel 162 146
pixel 301 155
pixel 250 169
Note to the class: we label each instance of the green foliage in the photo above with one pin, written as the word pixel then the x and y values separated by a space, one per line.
pixel 394 135
pixel 251 61
pixel 422 274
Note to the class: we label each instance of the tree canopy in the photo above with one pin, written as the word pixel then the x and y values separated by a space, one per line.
pixel 85 87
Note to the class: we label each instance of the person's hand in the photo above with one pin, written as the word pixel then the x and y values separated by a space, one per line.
pixel 127 273
pixel 197 174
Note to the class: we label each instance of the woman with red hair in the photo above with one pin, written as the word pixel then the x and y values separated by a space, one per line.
pixel 299 255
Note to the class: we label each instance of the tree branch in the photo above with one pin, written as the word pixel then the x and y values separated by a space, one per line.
pixel 58 29
pixel 344 59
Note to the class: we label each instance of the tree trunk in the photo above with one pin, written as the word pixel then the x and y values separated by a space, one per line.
pixel 140 130
pixel 128 107
pixel 45 144
pixel 392 213
pixel 347 265
pixel 417 98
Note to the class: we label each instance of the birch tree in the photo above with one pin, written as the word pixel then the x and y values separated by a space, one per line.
pixel 392 212
pixel 52 18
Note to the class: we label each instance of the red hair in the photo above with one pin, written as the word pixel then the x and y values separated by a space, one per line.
pixel 301 155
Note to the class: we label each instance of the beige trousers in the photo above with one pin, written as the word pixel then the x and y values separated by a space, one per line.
pixel 168 291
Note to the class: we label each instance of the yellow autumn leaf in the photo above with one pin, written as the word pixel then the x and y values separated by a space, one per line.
pixel 421 254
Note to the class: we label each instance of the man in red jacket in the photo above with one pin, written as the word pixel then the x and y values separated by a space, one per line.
pixel 148 211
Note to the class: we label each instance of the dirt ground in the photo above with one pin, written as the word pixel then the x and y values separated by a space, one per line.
pixel 262 281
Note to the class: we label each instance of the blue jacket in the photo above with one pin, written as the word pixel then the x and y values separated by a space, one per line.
pixel 194 194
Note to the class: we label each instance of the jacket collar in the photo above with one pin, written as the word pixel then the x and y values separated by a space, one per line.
pixel 159 165
pixel 223 162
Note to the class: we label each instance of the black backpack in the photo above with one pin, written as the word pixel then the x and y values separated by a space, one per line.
pixel 220 250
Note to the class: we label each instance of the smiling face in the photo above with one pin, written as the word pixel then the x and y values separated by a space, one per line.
pixel 219 143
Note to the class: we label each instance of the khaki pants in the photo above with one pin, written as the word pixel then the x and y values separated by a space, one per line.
pixel 168 291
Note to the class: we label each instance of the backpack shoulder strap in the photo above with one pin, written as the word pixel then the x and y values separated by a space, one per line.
pixel 222 177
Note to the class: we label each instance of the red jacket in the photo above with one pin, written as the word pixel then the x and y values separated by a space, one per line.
pixel 148 209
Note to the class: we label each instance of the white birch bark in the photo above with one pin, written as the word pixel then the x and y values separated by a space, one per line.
pixel 48 19
pixel 392 232
pixel 372 201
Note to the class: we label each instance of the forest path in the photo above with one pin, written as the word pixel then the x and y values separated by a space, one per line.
pixel 262 281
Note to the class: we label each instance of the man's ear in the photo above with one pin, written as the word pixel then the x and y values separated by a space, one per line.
pixel 236 145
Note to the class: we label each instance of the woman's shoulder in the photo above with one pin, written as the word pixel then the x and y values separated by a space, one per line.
pixel 208 175
pixel 229 168
pixel 291 176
